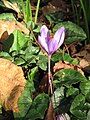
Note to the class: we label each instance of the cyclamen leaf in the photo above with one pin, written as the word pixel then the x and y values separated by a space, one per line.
pixel 38 107
pixel 88 115
pixel 77 107
pixel 19 41
pixel 24 102
pixel 74 32
pixel 54 17
pixel 42 62
pixel 85 87
pixel 57 57
pixel 29 108
pixel 68 77
pixel 58 95
pixel 72 91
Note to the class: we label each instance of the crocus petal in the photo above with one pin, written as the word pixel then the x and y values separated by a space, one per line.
pixel 48 44
pixel 52 46
pixel 44 32
pixel 57 41
pixel 43 43
pixel 59 36
pixel 44 38
pixel 60 117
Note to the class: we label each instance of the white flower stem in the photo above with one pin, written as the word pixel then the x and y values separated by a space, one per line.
pixel 49 75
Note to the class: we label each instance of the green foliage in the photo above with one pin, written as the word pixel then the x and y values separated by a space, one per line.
pixel 57 57
pixel 26 10
pixel 32 109
pixel 54 17
pixel 77 107
pixel 16 41
pixel 38 107
pixel 31 54
pixel 19 41
pixel 68 77
pixel 88 116
pixel 76 92
pixel 24 102
pixel 72 91
pixel 58 95
pixel 60 56
pixel 6 55
pixel 82 10
pixel 85 87
pixel 42 62
pixel 74 32
pixel 7 16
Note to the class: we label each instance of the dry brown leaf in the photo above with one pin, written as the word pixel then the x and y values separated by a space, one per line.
pixel 83 63
pixel 14 6
pixel 22 28
pixel 11 6
pixel 7 27
pixel 12 84
pixel 84 56
pixel 60 65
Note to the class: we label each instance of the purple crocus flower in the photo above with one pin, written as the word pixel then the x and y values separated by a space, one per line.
pixel 50 45
pixel 60 117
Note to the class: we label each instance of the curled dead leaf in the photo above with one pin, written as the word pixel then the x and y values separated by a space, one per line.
pixel 12 83
pixel 84 56
pixel 83 63
pixel 12 6
pixel 7 27
pixel 61 65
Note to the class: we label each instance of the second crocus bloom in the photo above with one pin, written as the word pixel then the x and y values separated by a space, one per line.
pixel 49 44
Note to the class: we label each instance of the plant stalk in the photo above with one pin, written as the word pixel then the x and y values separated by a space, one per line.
pixel 23 9
pixel 49 74
pixel 86 21
pixel 37 9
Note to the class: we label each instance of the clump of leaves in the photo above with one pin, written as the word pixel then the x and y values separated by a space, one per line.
pixel 76 89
